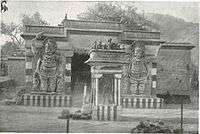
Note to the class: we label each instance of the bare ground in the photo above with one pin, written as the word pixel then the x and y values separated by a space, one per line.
pixel 38 119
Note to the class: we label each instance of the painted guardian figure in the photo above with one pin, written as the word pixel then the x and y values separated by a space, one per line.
pixel 47 69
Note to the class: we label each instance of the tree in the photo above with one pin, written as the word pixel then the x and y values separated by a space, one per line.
pixel 8 47
pixel 35 19
pixel 118 12
pixel 14 31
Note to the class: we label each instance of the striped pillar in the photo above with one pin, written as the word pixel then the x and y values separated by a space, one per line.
pixel 153 77
pixel 68 73
pixel 28 66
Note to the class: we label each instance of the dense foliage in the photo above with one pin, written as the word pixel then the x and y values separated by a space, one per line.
pixel 118 12
pixel 13 31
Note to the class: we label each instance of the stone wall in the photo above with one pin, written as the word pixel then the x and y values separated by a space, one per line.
pixel 173 71
pixel 16 69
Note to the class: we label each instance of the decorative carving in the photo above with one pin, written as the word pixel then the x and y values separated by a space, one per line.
pixel 109 46
pixel 136 72
pixel 48 75
pixel 106 89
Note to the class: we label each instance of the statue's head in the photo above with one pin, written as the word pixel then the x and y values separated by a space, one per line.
pixel 50 46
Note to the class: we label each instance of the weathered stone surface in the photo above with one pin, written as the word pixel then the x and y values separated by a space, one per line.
pixel 16 69
pixel 173 71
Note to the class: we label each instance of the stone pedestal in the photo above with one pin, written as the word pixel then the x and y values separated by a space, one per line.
pixel 46 100
pixel 106 113
pixel 141 102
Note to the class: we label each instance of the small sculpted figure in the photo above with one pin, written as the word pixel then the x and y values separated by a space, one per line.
pixel 105 46
pixel 110 43
pixel 94 45
pixel 99 45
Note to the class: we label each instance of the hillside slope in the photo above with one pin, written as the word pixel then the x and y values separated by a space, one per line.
pixel 177 30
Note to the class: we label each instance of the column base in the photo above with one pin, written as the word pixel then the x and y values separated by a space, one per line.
pixel 45 100
pixel 106 113
pixel 141 101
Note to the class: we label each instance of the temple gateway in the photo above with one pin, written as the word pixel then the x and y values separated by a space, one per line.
pixel 119 67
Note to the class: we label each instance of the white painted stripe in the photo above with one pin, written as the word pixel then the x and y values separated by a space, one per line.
pixel 154 71
pixel 134 104
pixel 152 102
pixel 68 101
pixel 106 113
pixel 154 84
pixel 158 102
pixel 141 102
pixel 28 65
pixel 129 102
pixel 146 102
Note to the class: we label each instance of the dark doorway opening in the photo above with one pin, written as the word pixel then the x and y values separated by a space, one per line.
pixel 80 71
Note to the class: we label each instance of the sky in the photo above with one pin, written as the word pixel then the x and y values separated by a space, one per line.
pixel 54 10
